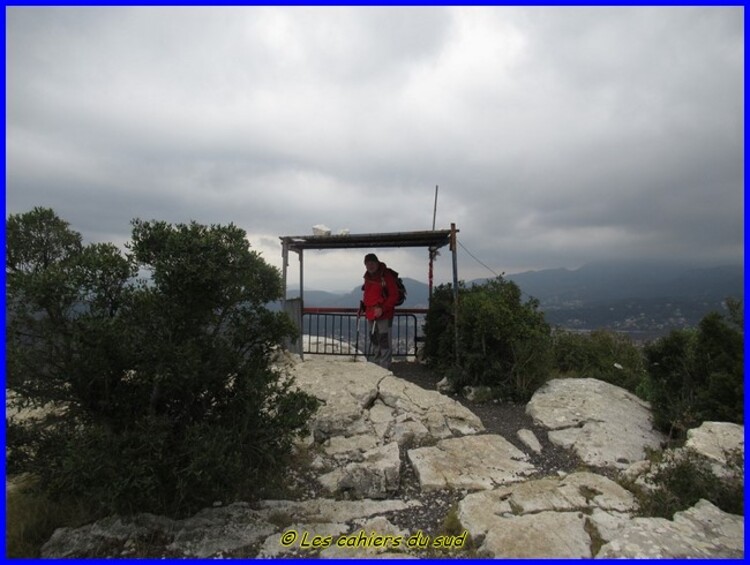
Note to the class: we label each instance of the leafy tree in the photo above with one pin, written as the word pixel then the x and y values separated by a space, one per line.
pixel 697 375
pixel 503 342
pixel 168 397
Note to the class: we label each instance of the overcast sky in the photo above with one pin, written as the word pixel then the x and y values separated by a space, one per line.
pixel 557 136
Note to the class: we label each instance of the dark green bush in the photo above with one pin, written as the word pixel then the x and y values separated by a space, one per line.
pixel 682 480
pixel 170 398
pixel 502 342
pixel 601 354
pixel 697 375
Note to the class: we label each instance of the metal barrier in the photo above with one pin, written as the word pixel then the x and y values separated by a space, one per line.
pixel 333 331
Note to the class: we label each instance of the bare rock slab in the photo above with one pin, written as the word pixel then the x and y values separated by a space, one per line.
pixel 441 415
pixel 363 398
pixel 328 510
pixel 376 476
pixel 214 531
pixel 471 462
pixel 211 532
pixel 605 425
pixel 703 531
pixel 543 535
pixel 716 440
pixel 547 517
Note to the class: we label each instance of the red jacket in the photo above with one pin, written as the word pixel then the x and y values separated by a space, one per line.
pixel 380 290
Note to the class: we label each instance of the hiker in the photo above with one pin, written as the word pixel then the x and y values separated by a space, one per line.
pixel 380 295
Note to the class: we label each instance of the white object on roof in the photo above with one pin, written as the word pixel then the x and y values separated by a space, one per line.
pixel 321 229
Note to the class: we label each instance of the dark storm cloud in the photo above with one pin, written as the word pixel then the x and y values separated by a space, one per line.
pixel 558 136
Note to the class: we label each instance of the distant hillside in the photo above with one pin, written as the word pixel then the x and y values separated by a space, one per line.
pixel 642 298
pixel 604 282
pixel 417 296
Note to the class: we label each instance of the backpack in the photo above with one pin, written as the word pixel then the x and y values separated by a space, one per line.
pixel 399 285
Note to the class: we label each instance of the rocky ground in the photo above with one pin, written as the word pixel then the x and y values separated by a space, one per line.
pixel 499 417
pixel 393 457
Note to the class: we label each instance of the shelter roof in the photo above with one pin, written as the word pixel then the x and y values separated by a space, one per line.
pixel 434 239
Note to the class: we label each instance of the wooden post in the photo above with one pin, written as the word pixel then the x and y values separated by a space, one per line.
pixel 454 251
pixel 432 251
pixel 284 265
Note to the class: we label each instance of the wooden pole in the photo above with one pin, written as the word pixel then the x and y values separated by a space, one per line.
pixel 432 251
pixel 434 209
pixel 454 251
pixel 284 266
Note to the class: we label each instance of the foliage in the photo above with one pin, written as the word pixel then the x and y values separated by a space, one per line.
pixel 170 399
pixel 502 342
pixel 684 477
pixel 601 354
pixel 32 518
pixel 697 375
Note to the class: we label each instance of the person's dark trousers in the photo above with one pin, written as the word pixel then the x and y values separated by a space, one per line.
pixel 381 351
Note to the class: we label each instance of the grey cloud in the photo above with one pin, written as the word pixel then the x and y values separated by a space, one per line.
pixel 544 127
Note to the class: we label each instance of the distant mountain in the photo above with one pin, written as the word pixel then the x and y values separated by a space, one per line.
pixel 646 300
pixel 605 282
pixel 417 296
pixel 638 297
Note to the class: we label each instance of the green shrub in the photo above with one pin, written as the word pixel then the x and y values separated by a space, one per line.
pixel 697 375
pixel 502 342
pixel 32 518
pixel 685 477
pixel 601 354
pixel 171 401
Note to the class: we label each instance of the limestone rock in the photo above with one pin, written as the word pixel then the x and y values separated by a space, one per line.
pixel 530 440
pixel 274 547
pixel 113 531
pixel 376 476
pixel 543 535
pixel 363 398
pixel 471 462
pixel 701 531
pixel 349 448
pixel 716 440
pixel 215 531
pixel 712 441
pixel 545 517
pixel 369 417
pixel 408 431
pixel 380 526
pixel 328 510
pixel 442 416
pixel 210 532
pixel 607 426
